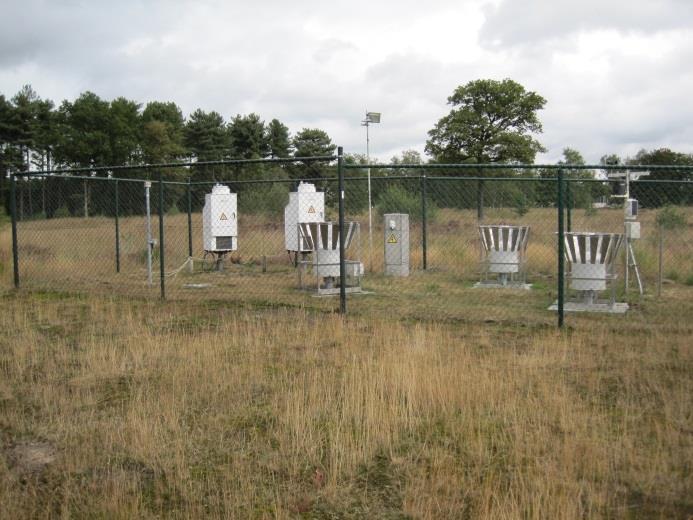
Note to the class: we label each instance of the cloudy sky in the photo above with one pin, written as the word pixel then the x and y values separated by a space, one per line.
pixel 616 74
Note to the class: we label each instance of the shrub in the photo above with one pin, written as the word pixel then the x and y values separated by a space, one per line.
pixel 142 255
pixel 521 204
pixel 396 199
pixel 61 212
pixel 670 217
pixel 673 275
pixel 264 198
pixel 590 210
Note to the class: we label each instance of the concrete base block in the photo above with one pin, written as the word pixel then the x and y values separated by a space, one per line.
pixel 350 291
pixel 616 308
pixel 496 285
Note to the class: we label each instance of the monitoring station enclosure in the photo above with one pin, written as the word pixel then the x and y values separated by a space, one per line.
pixel 306 205
pixel 396 240
pixel 220 224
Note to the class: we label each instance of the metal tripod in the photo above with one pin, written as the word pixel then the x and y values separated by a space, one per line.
pixel 630 216
pixel 632 262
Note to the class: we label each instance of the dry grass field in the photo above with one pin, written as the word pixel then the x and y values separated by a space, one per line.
pixel 131 409
pixel 427 401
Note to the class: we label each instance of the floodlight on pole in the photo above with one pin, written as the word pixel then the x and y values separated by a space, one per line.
pixel 371 117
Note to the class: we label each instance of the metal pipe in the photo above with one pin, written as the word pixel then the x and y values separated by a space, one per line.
pixel 480 200
pixel 561 252
pixel 424 223
pixel 659 266
pixel 390 177
pixel 370 202
pixel 342 263
pixel 569 205
pixel 459 166
pixel 502 166
pixel 162 263
pixel 190 244
pixel 627 248
pixel 86 198
pixel 147 186
pixel 15 247
pixel 117 228
pixel 95 169
pixel 21 201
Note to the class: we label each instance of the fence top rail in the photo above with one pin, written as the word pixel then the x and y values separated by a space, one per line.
pixel 496 179
pixel 185 183
pixel 189 164
pixel 498 166
pixel 549 179
pixel 42 175
pixel 330 158
pixel 448 178
pixel 260 181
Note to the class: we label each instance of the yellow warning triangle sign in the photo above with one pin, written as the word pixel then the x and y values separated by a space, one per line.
pixel 392 239
pixel 223 217
pixel 311 210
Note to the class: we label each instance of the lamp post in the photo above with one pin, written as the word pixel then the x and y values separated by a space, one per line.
pixel 371 117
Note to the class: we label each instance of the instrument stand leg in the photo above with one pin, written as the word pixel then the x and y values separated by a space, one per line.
pixel 633 263
pixel 626 278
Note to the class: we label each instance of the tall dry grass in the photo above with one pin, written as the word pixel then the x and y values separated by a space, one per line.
pixel 126 409
pixel 78 255
pixel 61 252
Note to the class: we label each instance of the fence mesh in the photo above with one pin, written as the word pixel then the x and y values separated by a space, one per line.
pixel 90 234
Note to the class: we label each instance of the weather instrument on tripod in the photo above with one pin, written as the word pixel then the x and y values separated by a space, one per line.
pixel 630 220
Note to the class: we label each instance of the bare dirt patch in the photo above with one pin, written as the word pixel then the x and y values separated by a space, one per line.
pixel 28 458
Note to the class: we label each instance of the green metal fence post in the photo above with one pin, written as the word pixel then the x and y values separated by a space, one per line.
pixel 117 228
pixel 561 243
pixel 480 200
pixel 13 211
pixel 569 206
pixel 342 263
pixel 424 218
pixel 190 244
pixel 162 262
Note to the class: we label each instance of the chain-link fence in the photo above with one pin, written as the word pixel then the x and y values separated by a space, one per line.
pixel 478 243
pixel 485 247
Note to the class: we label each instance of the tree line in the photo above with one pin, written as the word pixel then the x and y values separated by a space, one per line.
pixel 490 121
pixel 91 131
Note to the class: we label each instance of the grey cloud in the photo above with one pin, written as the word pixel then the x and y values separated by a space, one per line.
pixel 318 64
pixel 331 49
pixel 531 21
pixel 639 103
